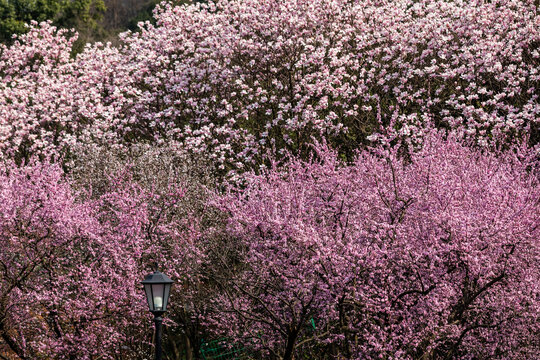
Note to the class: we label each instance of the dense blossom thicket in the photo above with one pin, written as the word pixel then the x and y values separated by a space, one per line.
pixel 71 268
pixel 433 259
pixel 397 216
pixel 234 79
pixel 186 259
pixel 429 257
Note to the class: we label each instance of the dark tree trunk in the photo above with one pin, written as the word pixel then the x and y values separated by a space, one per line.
pixel 291 342
pixel 189 350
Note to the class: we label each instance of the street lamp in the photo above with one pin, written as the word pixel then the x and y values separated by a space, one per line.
pixel 157 287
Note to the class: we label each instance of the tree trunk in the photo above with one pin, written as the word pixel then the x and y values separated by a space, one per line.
pixel 189 350
pixel 291 342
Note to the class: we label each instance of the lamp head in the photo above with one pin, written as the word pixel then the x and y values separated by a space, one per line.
pixel 157 287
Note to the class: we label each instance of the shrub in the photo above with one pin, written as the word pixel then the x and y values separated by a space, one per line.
pixel 428 259
pixel 235 79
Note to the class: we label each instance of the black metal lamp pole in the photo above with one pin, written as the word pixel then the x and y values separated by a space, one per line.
pixel 158 322
pixel 157 287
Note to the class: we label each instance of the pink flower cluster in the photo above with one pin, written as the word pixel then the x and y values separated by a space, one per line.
pixel 234 79
pixel 435 257
pixel 71 268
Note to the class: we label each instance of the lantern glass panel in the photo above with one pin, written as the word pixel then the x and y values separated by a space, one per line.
pixel 158 292
pixel 166 296
pixel 148 291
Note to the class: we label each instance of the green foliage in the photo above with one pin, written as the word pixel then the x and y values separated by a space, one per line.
pixel 146 13
pixel 82 15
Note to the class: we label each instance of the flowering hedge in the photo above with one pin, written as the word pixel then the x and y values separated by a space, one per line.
pixel 233 79
pixel 71 267
pixel 432 258
pixel 415 247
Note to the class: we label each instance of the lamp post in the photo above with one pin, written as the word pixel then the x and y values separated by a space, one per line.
pixel 157 287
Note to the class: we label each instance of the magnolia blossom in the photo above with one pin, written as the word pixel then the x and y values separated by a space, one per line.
pixel 273 75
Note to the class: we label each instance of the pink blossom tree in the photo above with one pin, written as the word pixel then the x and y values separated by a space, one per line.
pixel 53 302
pixel 233 79
pixel 50 102
pixel 436 257
pixel 71 268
